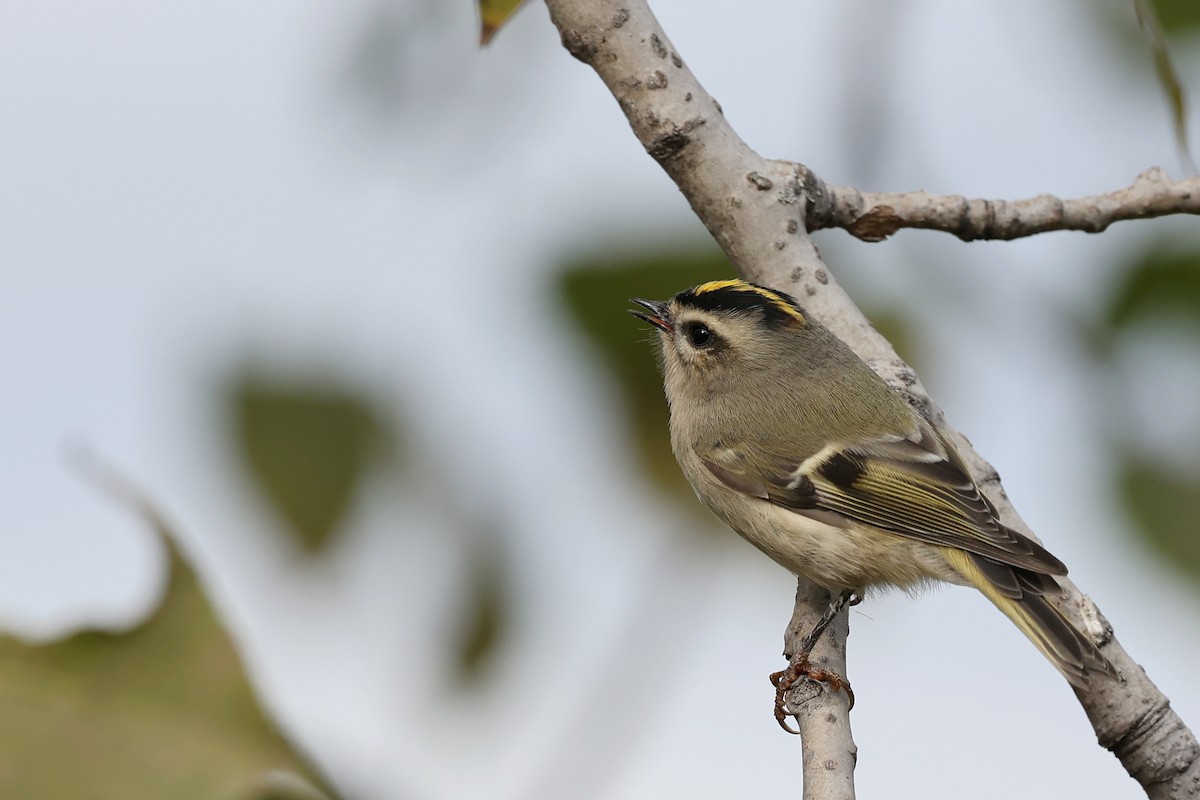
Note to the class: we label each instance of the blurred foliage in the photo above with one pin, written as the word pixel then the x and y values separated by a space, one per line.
pixel 486 612
pixel 160 711
pixel 1162 283
pixel 1168 76
pixel 596 292
pixel 492 16
pixel 893 324
pixel 1178 16
pixel 307 445
pixel 1165 505
pixel 383 81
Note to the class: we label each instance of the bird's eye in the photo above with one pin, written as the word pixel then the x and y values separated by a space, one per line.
pixel 699 335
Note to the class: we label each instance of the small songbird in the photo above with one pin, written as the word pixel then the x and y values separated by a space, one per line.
pixel 794 442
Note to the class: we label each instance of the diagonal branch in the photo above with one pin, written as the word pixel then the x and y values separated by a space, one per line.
pixel 755 209
pixel 874 216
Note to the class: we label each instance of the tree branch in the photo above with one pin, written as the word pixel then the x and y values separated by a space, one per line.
pixel 755 209
pixel 874 216
pixel 828 754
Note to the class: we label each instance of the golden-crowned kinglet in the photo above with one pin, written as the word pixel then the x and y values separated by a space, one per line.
pixel 793 441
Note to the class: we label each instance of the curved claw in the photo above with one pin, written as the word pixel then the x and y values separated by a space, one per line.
pixel 800 667
pixel 781 683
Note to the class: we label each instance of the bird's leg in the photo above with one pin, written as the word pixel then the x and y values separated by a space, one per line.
pixel 799 665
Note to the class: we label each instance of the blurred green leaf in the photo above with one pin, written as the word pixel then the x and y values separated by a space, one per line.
pixel 308 446
pixel 596 292
pixel 1165 506
pixel 160 711
pixel 492 16
pixel 1178 16
pixel 893 324
pixel 1168 77
pixel 486 611
pixel 1160 283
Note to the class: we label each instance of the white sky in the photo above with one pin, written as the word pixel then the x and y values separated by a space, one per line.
pixel 183 183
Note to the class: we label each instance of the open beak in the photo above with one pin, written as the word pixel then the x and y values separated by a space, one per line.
pixel 659 316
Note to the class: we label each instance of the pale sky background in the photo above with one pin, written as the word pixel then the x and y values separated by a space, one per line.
pixel 185 183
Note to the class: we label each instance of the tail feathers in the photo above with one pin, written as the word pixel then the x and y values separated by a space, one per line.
pixel 1075 655
pixel 1021 595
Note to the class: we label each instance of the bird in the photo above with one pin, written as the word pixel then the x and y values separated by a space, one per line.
pixel 793 441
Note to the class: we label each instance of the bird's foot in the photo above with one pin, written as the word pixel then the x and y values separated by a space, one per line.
pixel 797 668
pixel 800 667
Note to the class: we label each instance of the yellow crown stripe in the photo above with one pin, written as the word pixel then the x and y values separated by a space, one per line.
pixel 737 285
pixel 716 286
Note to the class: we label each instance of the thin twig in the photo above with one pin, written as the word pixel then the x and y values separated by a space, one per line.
pixel 874 216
